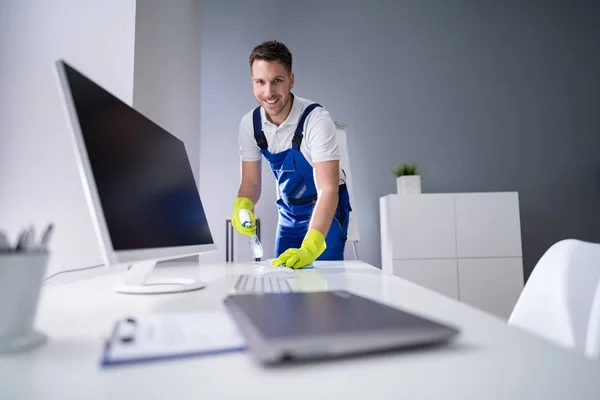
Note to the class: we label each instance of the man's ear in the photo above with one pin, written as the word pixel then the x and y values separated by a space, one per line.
pixel 292 79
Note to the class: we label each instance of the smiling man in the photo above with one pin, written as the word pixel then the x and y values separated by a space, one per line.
pixel 298 139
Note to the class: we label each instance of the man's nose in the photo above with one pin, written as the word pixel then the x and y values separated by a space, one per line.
pixel 269 89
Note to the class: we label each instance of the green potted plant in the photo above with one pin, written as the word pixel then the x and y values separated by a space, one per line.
pixel 408 180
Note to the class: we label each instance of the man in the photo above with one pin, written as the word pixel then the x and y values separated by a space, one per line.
pixel 298 139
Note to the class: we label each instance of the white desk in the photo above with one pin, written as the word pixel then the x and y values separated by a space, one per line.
pixel 489 360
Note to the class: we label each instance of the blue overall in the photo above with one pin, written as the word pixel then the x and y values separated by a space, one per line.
pixel 298 194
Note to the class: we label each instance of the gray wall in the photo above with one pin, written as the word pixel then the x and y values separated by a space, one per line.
pixel 166 84
pixel 483 96
pixel 39 180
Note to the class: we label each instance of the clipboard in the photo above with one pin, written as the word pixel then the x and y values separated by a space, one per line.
pixel 159 337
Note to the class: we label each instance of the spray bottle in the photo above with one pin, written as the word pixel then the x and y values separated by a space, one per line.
pixel 255 245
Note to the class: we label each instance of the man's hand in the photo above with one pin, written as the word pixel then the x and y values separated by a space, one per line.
pixel 248 195
pixel 312 247
pixel 243 203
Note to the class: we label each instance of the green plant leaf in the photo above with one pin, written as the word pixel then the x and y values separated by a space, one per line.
pixel 405 169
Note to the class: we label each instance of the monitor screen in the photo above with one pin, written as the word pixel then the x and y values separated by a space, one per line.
pixel 142 173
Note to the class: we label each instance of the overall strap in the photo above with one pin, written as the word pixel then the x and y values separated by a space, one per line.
pixel 259 135
pixel 297 140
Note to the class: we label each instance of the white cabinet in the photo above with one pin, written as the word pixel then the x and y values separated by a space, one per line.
pixel 491 284
pixel 440 275
pixel 464 245
pixel 487 225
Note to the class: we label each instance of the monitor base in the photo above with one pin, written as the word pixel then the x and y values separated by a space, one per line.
pixel 136 281
pixel 172 285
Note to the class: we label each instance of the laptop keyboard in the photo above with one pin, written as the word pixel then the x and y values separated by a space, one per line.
pixel 263 284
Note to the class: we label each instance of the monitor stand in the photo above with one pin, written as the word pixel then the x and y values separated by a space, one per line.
pixel 136 281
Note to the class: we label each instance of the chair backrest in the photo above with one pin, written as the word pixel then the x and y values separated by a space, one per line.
pixel 561 300
pixel 592 345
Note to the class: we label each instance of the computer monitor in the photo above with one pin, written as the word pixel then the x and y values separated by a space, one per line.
pixel 138 182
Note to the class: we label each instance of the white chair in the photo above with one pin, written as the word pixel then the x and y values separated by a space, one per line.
pixel 561 300
pixel 592 346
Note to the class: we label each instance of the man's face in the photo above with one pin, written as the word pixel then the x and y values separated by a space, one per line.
pixel 272 85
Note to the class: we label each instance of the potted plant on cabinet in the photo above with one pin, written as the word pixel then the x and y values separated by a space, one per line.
pixel 408 180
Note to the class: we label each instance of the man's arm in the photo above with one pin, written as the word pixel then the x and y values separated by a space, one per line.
pixel 327 182
pixel 250 185
pixel 321 141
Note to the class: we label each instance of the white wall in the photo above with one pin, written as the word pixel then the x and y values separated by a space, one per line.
pixel 166 85
pixel 39 182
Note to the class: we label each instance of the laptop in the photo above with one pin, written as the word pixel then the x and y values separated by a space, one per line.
pixel 293 326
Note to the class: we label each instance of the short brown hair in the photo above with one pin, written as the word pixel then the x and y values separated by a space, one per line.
pixel 270 51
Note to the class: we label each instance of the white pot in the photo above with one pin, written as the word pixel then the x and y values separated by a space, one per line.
pixel 21 278
pixel 410 184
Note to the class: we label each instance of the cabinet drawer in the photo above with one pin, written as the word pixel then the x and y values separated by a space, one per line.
pixel 422 226
pixel 434 274
pixel 491 284
pixel 488 225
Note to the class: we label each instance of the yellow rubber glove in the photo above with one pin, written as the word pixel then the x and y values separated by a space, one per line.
pixel 243 203
pixel 312 247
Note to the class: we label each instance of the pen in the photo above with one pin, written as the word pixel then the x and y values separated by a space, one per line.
pixel 20 239
pixel 25 240
pixel 46 237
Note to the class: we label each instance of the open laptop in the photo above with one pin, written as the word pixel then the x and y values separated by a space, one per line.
pixel 309 325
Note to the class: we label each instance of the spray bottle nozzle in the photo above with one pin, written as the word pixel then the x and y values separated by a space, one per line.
pixel 255 244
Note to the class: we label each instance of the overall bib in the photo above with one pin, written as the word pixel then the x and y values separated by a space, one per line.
pixel 298 194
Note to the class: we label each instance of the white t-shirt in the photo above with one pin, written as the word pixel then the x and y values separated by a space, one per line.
pixel 319 141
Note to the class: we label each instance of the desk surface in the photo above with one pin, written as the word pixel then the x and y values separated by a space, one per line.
pixel 489 360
